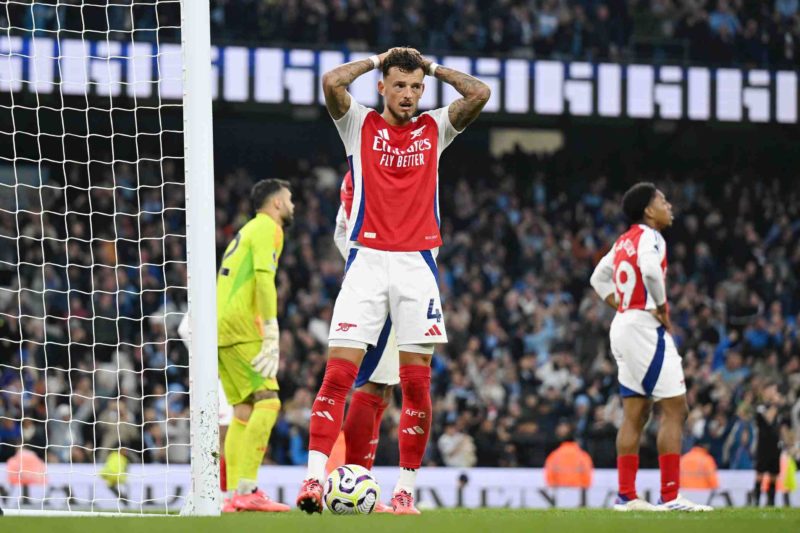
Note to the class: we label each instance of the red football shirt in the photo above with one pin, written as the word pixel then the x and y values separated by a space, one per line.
pixel 628 281
pixel 395 177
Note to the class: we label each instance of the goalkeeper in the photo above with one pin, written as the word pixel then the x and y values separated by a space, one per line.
pixel 247 308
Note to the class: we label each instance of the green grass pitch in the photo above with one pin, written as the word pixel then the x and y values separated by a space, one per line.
pixel 456 520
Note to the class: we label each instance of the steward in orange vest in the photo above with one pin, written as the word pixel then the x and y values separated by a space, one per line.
pixel 568 466
pixel 698 470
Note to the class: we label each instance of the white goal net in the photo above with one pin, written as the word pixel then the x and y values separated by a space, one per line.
pixel 94 381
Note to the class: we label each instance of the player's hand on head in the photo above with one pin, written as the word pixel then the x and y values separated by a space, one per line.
pixel 426 62
pixel 267 360
pixel 386 54
pixel 383 56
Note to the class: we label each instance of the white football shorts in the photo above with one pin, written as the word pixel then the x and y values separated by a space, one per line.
pixel 380 284
pixel 381 363
pixel 648 362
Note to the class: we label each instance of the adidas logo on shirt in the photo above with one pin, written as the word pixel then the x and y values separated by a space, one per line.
pixel 323 414
pixel 416 430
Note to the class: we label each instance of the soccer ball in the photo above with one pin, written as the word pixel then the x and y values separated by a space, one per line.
pixel 351 489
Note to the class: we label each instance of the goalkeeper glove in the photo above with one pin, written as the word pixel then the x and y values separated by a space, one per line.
pixel 266 362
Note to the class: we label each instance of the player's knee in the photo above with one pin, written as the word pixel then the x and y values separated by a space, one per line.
pixel 636 412
pixel 352 351
pixel 635 422
pixel 375 389
pixel 644 417
pixel 676 410
pixel 264 395
pixel 387 394
pixel 416 354
pixel 242 411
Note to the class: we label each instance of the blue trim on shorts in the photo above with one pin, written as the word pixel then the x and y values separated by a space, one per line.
pixel 625 392
pixel 350 259
pixel 654 370
pixel 428 257
pixel 373 355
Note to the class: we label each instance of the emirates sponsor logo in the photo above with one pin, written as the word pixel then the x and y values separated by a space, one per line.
pixel 381 144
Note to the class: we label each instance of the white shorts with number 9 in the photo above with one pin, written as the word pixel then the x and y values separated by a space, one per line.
pixel 379 284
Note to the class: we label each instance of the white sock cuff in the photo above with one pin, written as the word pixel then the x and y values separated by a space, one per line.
pixel 246 486
pixel 407 481
pixel 316 465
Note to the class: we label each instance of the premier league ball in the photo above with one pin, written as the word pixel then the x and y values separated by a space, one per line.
pixel 351 489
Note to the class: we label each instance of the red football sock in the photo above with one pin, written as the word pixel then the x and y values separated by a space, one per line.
pixel 415 418
pixel 376 435
pixel 358 427
pixel 627 466
pixel 223 474
pixel 670 465
pixel 327 412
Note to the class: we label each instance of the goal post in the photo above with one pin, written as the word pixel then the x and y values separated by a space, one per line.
pixel 107 241
pixel 199 164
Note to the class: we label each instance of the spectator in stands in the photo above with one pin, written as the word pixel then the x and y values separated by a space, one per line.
pixel 786 9
pixel 724 19
pixel 456 447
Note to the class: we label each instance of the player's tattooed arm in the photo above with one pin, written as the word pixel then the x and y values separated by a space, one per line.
pixel 335 83
pixel 474 94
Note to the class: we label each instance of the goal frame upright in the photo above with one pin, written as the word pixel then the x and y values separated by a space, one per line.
pixel 198 148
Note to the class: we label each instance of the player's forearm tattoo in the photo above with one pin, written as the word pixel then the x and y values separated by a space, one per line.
pixel 344 75
pixel 475 95
pixel 335 82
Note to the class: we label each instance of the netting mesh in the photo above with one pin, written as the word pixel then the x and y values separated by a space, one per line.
pixel 93 380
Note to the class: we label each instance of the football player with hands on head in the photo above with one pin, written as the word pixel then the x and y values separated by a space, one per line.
pixel 631 278
pixel 378 374
pixel 247 322
pixel 393 234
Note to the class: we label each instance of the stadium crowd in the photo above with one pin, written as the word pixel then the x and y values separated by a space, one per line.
pixel 527 364
pixel 751 32
pixel 744 32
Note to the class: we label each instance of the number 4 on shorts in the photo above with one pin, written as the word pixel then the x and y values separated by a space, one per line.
pixel 434 313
